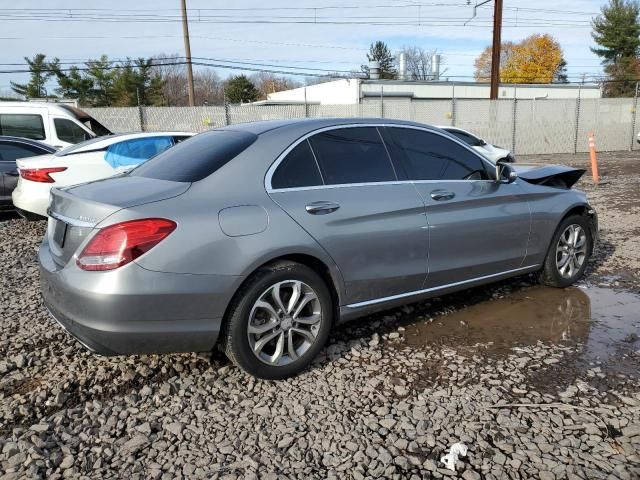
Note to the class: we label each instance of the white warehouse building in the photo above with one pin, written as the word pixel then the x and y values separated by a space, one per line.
pixel 356 91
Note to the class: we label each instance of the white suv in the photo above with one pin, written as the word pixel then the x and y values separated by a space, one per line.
pixel 57 125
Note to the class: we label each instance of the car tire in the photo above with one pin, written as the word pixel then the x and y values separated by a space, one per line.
pixel 255 308
pixel 568 253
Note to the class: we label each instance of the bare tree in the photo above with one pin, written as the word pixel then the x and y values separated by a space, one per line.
pixel 174 75
pixel 208 88
pixel 267 83
pixel 419 62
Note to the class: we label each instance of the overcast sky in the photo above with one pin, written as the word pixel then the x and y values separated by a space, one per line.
pixel 64 31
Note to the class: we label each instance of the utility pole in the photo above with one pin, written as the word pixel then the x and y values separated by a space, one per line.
pixel 187 50
pixel 495 51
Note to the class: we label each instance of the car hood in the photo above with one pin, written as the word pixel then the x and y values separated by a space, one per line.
pixel 541 174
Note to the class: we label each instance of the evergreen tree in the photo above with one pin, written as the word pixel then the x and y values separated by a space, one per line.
pixel 617 32
pixel 74 84
pixel 102 74
pixel 240 89
pixel 41 71
pixel 380 52
pixel 560 75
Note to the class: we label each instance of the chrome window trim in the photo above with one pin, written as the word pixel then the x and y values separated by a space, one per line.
pixel 440 287
pixel 74 222
pixel 306 136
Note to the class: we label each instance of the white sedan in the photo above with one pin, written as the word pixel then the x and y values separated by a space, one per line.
pixel 491 152
pixel 94 159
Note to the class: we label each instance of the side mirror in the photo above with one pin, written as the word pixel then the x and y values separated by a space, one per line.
pixel 505 173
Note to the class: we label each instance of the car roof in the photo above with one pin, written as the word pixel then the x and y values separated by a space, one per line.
pixel 311 124
pixel 451 127
pixel 27 141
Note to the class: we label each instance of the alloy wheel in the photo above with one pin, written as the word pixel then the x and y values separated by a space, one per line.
pixel 571 251
pixel 284 322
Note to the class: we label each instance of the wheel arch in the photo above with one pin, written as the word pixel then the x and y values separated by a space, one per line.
pixel 587 211
pixel 331 277
pixel 584 210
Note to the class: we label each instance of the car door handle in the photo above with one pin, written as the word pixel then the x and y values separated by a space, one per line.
pixel 321 208
pixel 442 195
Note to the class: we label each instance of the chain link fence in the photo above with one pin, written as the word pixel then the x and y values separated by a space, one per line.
pixel 536 126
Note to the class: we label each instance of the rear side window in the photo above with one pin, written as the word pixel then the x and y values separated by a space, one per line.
pixel 352 155
pixel 298 169
pixel 12 151
pixel 22 125
pixel 196 158
pixel 69 131
pixel 429 156
pixel 135 152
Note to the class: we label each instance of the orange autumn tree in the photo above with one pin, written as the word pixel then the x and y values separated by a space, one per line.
pixel 483 62
pixel 536 59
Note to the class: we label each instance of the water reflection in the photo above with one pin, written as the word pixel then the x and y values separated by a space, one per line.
pixel 605 321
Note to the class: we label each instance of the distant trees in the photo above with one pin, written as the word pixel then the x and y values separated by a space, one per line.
pixel 100 82
pixel 536 59
pixel 617 32
pixel 380 52
pixel 159 80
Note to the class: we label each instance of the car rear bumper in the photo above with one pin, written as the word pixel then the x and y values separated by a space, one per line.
pixel 132 310
pixel 32 197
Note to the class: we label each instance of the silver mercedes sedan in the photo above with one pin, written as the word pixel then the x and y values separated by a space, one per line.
pixel 260 237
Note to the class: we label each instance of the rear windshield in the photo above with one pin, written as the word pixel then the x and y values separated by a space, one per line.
pixel 196 158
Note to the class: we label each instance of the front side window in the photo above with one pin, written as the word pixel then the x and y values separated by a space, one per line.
pixel 352 155
pixel 429 156
pixel 12 151
pixel 69 131
pixel 134 152
pixel 298 169
pixel 22 125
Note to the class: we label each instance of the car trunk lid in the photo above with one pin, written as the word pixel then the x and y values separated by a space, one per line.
pixel 76 210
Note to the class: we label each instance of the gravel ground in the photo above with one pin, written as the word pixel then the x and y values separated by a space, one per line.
pixel 377 403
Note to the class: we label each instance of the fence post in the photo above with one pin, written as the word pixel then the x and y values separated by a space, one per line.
pixel 635 116
pixel 227 114
pixel 577 121
pixel 381 101
pixel 513 125
pixel 306 105
pixel 141 117
pixel 453 106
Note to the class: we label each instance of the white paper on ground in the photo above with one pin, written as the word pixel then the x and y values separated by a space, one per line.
pixel 457 450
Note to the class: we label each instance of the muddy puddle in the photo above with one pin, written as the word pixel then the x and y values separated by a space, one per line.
pixel 606 322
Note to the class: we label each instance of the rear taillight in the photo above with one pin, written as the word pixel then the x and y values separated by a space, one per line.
pixel 119 244
pixel 41 175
